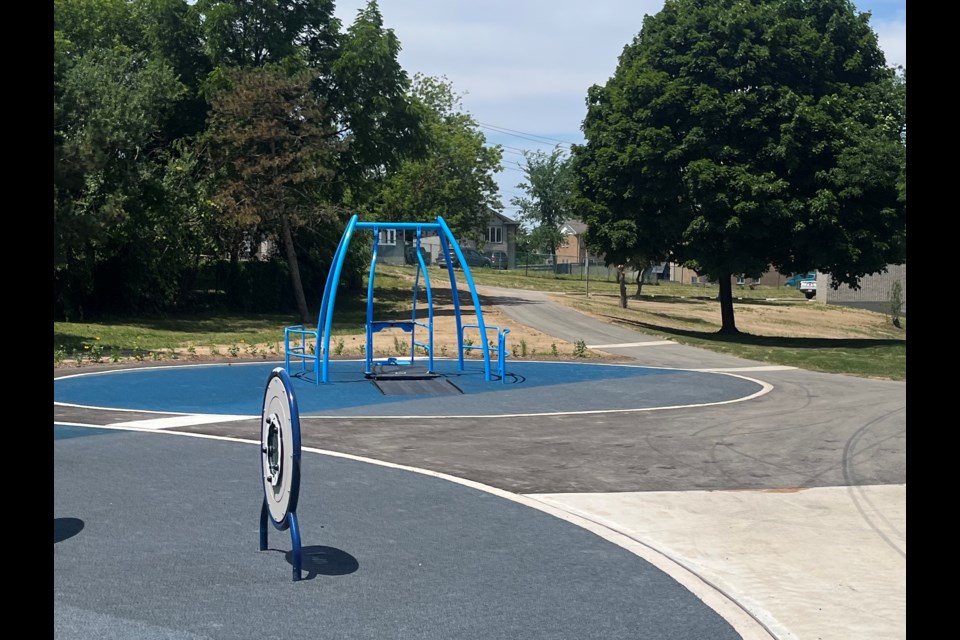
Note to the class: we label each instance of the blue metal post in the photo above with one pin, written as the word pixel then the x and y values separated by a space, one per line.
pixel 330 295
pixel 473 294
pixel 370 279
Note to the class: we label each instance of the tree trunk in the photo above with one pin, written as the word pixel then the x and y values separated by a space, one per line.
pixel 622 281
pixel 726 305
pixel 291 254
pixel 639 282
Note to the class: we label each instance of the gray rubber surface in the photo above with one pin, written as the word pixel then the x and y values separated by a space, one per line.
pixel 156 536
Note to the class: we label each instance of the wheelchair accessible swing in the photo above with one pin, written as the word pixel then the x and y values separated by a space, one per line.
pixel 298 340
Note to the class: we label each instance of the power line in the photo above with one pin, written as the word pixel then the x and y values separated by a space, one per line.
pixel 526 136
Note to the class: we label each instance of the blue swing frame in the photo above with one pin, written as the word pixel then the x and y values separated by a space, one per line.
pixel 297 338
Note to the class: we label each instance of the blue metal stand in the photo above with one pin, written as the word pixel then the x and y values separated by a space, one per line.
pixel 280 462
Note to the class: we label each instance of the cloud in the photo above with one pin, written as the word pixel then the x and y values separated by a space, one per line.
pixel 892 36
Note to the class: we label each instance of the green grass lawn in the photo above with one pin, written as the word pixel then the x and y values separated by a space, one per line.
pixel 880 353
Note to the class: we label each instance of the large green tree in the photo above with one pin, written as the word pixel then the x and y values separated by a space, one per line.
pixel 119 102
pixel 550 196
pixel 455 177
pixel 356 78
pixel 740 134
pixel 271 138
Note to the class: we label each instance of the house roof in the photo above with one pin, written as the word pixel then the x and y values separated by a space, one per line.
pixel 504 219
pixel 574 227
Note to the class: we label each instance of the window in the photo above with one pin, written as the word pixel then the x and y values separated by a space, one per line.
pixel 495 234
pixel 388 236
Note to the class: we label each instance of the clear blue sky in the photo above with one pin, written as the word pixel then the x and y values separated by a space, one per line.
pixel 524 66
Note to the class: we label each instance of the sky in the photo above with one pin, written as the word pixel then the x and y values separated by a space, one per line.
pixel 523 67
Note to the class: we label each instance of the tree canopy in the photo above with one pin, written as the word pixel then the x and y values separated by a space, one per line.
pixel 454 178
pixel 549 199
pixel 163 171
pixel 736 135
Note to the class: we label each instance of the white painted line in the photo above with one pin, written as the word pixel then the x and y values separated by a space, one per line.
pixel 180 421
pixel 651 343
pixel 773 367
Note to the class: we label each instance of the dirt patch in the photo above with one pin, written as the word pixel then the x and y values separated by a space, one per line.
pixel 761 317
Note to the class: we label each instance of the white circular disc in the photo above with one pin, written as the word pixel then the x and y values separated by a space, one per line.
pixel 279 449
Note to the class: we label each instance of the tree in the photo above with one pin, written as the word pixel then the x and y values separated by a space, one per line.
pixel 737 135
pixel 455 178
pixel 370 95
pixel 252 33
pixel 550 195
pixel 116 99
pixel 273 138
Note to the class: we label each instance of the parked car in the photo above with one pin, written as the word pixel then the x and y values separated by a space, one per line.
pixel 498 259
pixel 473 257
pixel 805 282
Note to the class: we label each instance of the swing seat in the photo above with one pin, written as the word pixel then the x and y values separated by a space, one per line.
pixel 393 369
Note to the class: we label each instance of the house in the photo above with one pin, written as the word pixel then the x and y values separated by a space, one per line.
pixel 876 293
pixel 572 249
pixel 500 235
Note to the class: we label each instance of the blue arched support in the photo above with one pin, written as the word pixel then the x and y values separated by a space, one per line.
pixel 448 235
pixel 297 337
pixel 301 347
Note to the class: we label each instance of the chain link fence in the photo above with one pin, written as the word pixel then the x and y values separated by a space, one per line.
pixel 533 264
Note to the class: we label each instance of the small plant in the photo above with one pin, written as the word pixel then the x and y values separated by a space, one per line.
pixel 400 346
pixel 59 355
pixel 78 356
pixel 443 350
pixel 580 349
pixel 362 349
pixel 312 348
pixel 274 348
pixel 174 355
pixel 468 342
pixel 338 347
pixel 192 351
pixel 523 347
pixel 157 355
pixel 234 350
pixel 114 356
pixel 96 352
pixel 533 352
pixel 138 352
pixel 516 350
pixel 896 302
pixel 214 350
pixel 553 349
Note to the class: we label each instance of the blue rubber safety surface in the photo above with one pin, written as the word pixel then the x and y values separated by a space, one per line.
pixel 528 388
